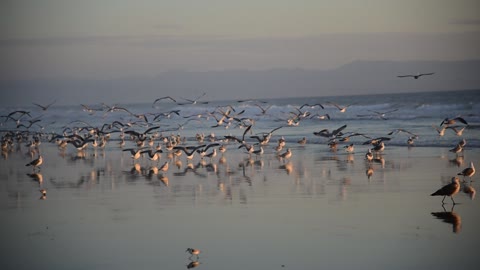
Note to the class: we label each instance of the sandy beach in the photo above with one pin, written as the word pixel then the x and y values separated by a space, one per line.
pixel 319 209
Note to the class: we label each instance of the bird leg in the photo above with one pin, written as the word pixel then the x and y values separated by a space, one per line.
pixel 452 200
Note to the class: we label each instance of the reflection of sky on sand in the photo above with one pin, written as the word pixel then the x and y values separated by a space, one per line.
pixel 318 208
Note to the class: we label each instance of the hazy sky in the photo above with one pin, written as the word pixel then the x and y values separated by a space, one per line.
pixel 114 38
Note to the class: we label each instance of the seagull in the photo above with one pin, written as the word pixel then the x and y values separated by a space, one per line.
pixel 79 144
pixel 167 97
pixel 251 100
pixel 416 76
pixel 264 110
pixel 141 136
pixel 349 148
pixel 457 149
pixel 369 155
pixel 398 130
pixel 376 141
pixel 265 137
pixel 258 152
pixel 325 133
pixel 302 141
pixel 379 147
pixel 203 152
pixel 340 108
pixel 193 252
pixel 378 114
pixel 286 155
pixel 189 154
pixel 194 101
pixel 44 108
pixel 311 106
pixel 152 155
pixel 136 153
pixel 242 141
pixel 89 110
pixel 469 172
pixel 452 121
pixel 320 116
pixel 449 190
pixel 36 162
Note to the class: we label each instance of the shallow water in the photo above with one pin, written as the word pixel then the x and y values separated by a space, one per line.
pixel 318 210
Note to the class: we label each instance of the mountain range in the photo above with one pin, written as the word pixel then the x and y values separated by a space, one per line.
pixel 358 77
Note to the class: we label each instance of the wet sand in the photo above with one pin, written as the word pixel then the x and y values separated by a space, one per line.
pixel 317 210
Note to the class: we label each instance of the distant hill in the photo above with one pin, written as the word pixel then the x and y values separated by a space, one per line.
pixel 358 77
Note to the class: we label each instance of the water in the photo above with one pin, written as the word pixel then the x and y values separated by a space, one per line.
pixel 317 210
pixel 417 113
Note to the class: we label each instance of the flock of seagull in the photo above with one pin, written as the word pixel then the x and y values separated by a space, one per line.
pixel 148 138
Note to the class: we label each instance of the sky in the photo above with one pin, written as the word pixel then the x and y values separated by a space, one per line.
pixel 108 39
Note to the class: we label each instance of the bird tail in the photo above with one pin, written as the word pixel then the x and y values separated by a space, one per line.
pixel 28 164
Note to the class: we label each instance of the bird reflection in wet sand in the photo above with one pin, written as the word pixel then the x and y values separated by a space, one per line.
pixel 369 172
pixel 163 179
pixel 37 177
pixel 44 194
pixel 469 190
pixel 450 218
pixel 458 161
pixel 193 264
pixel 288 167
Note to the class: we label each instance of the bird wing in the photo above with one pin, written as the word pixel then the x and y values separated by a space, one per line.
pixel 336 131
pixel 275 129
pixel 335 104
pixel 43 108
pixel 167 97
pixel 211 145
pixel 150 129
pixel 245 132
pixel 461 120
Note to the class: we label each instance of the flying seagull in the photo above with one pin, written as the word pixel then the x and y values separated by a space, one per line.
pixel 416 76
pixel 44 108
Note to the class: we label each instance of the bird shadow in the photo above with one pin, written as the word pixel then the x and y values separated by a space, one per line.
pixel 450 217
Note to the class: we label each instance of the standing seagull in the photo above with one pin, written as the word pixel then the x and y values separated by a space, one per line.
pixel 469 172
pixel 449 190
pixel 193 252
pixel 416 76
pixel 36 162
